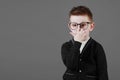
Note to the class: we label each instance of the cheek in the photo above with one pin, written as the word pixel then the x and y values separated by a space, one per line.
pixel 74 31
pixel 87 31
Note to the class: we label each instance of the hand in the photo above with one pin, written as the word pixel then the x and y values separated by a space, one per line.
pixel 80 35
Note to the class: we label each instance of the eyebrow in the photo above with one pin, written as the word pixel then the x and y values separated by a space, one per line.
pixel 81 22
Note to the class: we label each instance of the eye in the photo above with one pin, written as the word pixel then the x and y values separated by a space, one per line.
pixel 83 25
pixel 74 24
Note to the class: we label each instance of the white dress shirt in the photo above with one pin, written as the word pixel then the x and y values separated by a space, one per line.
pixel 83 44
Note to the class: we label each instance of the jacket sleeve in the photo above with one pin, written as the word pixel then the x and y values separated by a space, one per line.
pixel 101 64
pixel 70 55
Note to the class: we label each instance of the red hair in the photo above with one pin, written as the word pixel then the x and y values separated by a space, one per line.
pixel 81 10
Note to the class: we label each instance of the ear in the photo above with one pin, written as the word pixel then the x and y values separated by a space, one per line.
pixel 92 26
pixel 69 27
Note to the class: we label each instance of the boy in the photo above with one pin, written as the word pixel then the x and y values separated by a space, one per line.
pixel 83 57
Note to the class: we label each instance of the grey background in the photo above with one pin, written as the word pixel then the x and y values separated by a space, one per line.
pixel 32 32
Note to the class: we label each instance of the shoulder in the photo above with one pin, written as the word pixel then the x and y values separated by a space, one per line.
pixel 67 44
pixel 98 48
pixel 96 43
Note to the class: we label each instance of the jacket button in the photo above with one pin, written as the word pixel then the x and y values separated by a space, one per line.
pixel 80 59
pixel 80 71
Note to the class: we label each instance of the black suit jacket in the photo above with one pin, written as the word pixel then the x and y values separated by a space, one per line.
pixel 91 64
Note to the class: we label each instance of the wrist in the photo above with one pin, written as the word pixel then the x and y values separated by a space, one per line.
pixel 78 40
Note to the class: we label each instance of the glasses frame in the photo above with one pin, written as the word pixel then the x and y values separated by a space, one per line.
pixel 79 24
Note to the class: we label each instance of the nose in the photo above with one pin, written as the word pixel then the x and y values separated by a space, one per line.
pixel 79 27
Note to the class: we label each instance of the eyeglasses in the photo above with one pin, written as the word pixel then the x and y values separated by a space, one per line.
pixel 83 25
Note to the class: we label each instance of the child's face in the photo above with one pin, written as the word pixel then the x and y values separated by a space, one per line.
pixel 87 27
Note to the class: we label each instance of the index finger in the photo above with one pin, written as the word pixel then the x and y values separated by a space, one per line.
pixel 78 30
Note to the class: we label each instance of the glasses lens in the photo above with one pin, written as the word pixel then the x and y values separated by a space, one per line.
pixel 73 25
pixel 83 25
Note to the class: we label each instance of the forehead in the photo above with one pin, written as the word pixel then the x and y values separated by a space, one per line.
pixel 79 18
